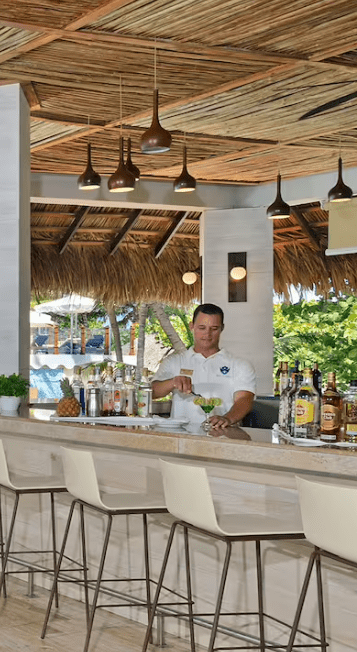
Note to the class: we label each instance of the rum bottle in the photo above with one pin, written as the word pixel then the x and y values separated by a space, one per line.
pixel 349 413
pixel 307 409
pixel 330 410
pixel 317 378
pixel 119 395
pixel 108 394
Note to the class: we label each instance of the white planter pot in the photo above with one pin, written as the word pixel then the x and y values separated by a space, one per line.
pixel 9 405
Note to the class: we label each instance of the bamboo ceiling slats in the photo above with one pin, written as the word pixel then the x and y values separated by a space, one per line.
pixel 12 38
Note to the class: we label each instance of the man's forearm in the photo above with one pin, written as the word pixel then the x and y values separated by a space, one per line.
pixel 241 406
pixel 161 388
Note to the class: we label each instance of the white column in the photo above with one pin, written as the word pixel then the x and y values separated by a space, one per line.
pixel 248 329
pixel 15 281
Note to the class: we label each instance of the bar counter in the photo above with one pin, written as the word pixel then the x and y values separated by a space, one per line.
pixel 249 470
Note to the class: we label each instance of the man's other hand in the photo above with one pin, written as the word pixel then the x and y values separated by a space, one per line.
pixel 182 384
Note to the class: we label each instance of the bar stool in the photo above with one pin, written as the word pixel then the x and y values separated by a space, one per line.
pixel 329 516
pixel 20 486
pixel 82 483
pixel 188 498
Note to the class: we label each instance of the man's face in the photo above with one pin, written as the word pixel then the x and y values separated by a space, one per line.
pixel 206 331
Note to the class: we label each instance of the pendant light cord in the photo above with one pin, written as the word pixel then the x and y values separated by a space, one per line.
pixel 121 110
pixel 155 66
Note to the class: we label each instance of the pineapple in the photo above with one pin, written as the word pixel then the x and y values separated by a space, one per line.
pixel 68 405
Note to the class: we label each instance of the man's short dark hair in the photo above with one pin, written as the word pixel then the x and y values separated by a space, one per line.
pixel 208 309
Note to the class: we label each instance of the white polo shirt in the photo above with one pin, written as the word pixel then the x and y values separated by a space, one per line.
pixel 220 375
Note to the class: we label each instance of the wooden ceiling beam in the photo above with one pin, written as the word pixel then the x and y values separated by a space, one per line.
pixel 73 228
pixel 173 228
pixel 297 227
pixel 131 221
pixel 83 229
pixel 306 228
pixel 31 96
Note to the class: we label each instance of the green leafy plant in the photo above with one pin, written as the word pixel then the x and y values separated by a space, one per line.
pixel 14 385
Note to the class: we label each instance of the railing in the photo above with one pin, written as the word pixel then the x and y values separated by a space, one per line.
pixel 84 340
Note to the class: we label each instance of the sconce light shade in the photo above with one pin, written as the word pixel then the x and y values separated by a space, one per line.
pixel 129 163
pixel 190 278
pixel 237 273
pixel 340 192
pixel 279 208
pixel 89 180
pixel 185 182
pixel 156 139
pixel 122 180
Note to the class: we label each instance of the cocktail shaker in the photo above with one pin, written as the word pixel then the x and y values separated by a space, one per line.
pixel 93 401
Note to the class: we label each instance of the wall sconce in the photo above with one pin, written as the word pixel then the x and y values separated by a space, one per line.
pixel 237 277
pixel 190 277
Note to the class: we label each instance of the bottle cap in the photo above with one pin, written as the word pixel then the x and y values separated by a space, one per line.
pixel 331 376
pixel 284 366
pixel 307 371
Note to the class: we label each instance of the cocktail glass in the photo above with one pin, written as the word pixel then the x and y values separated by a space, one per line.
pixel 206 425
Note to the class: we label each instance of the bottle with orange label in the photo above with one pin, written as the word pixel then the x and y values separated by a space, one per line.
pixel 307 409
pixel 350 412
pixel 330 410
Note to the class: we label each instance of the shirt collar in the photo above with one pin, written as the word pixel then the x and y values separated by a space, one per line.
pixel 196 353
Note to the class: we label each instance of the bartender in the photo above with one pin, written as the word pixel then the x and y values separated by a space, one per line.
pixel 209 371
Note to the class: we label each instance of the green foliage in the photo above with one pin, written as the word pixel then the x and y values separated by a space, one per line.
pixel 179 318
pixel 322 331
pixel 14 385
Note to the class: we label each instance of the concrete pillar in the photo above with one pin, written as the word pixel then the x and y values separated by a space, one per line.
pixel 15 281
pixel 248 331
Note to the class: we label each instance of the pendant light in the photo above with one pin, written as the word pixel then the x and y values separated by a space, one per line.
pixel 122 180
pixel 129 163
pixel 185 182
pixel 340 192
pixel 89 179
pixel 156 139
pixel 279 208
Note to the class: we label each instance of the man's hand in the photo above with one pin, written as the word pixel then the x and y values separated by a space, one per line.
pixel 182 384
pixel 220 421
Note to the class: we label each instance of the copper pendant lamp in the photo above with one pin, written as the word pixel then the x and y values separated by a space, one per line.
pixel 279 208
pixel 122 180
pixel 156 139
pixel 129 163
pixel 340 192
pixel 89 179
pixel 185 182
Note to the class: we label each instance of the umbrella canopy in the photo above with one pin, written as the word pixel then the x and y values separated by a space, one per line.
pixel 40 319
pixel 69 304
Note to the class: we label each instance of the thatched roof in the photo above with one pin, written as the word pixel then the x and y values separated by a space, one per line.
pixel 234 80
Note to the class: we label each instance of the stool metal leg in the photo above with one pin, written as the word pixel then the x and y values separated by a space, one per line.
pixel 189 589
pixel 8 543
pixel 84 562
pixel 220 596
pixel 320 601
pixel 147 567
pixel 97 586
pixel 158 588
pixel 260 595
pixel 301 601
pixel 58 568
pixel 2 545
pixel 54 544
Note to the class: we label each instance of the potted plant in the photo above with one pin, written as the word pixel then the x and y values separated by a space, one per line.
pixel 12 389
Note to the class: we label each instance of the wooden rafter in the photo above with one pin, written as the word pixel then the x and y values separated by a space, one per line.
pixel 131 221
pixel 305 227
pixel 176 223
pixel 73 228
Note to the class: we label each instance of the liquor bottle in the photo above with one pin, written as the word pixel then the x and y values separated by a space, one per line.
pixel 119 395
pixel 296 378
pixel 144 396
pixel 108 394
pixel 330 410
pixel 317 378
pixel 307 409
pixel 349 413
pixel 277 380
pixel 283 418
pixel 129 389
pixel 78 388
pixel 284 376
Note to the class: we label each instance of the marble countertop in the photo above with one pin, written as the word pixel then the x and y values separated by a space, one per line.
pixel 255 447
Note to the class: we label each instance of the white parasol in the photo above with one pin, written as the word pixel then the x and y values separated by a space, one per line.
pixel 41 319
pixel 69 304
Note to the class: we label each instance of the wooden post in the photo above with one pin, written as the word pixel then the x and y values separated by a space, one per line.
pixel 56 340
pixel 83 339
pixel 132 339
pixel 106 341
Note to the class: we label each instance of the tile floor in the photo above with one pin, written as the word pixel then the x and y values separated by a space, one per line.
pixel 21 620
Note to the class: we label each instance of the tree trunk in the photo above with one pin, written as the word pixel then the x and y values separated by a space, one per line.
pixel 165 323
pixel 143 311
pixel 116 333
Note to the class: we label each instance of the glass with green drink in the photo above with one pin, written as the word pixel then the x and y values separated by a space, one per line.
pixel 207 405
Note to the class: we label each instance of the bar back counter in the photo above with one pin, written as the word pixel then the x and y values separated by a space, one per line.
pixel 250 470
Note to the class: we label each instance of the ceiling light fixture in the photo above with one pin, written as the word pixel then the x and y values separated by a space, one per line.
pixel 89 179
pixel 156 139
pixel 129 163
pixel 340 192
pixel 122 180
pixel 279 208
pixel 185 182
pixel 190 278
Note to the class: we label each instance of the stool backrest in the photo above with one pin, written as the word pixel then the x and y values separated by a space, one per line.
pixel 80 476
pixel 188 495
pixel 4 471
pixel 329 516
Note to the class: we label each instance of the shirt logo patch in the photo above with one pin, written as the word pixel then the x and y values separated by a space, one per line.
pixel 224 370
